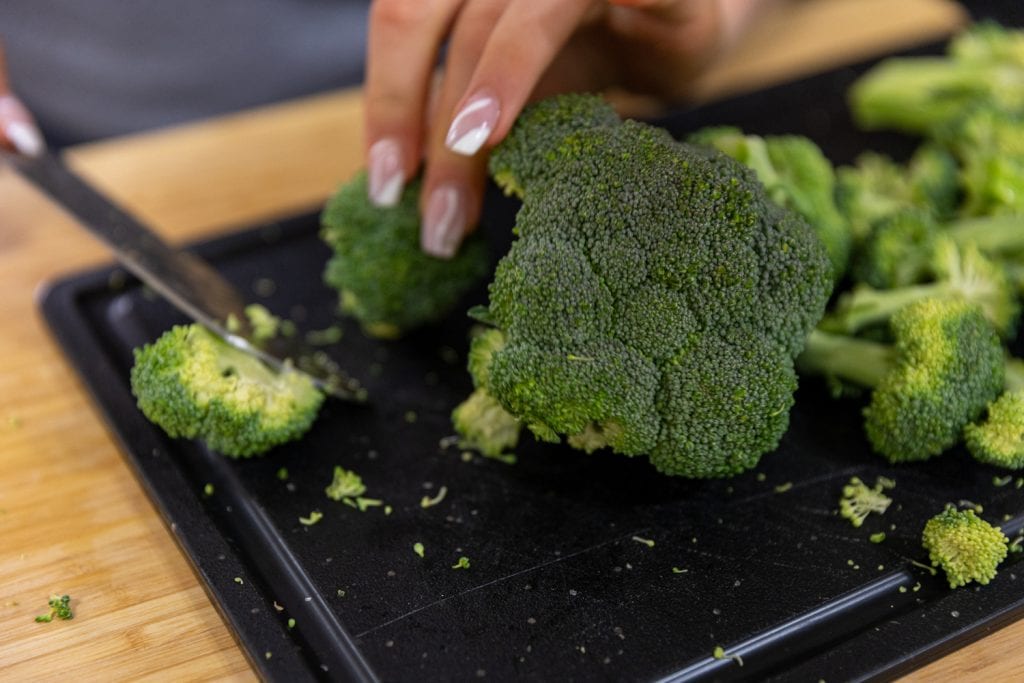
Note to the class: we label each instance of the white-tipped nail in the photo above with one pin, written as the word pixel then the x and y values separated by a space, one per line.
pixel 385 170
pixel 473 125
pixel 25 137
pixel 444 221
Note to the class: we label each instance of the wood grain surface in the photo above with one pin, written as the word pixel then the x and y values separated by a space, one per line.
pixel 72 517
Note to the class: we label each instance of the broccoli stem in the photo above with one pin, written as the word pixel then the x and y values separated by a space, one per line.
pixel 874 306
pixel 854 360
pixel 993 235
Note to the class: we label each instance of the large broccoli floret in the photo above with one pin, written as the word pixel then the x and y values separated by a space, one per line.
pixel 796 175
pixel 195 385
pixel 984 67
pixel 384 279
pixel 964 545
pixel 654 299
pixel 944 367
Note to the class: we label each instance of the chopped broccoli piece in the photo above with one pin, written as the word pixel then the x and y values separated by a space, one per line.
pixel 428 502
pixel 877 538
pixel 646 541
pixel 345 484
pixel 195 385
pixel 983 67
pixel 859 501
pixel 964 545
pixel 384 279
pixel 653 301
pixel 418 549
pixel 999 439
pixel 463 563
pixel 60 607
pixel 796 175
pixel 265 325
pixel 945 366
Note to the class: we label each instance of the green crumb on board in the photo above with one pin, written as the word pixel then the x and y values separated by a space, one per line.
pixel 720 653
pixel 782 488
pixel 646 541
pixel 291 622
pixel 877 538
pixel 314 517
pixel 428 502
pixel 238 580
pixel 463 563
pixel 418 549
pixel 208 490
pixel 60 607
pixel 282 474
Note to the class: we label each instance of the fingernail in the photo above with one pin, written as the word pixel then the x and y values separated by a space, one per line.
pixel 18 128
pixel 473 125
pixel 443 222
pixel 386 178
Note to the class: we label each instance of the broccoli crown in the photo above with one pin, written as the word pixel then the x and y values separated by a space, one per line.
pixel 859 500
pixel 195 385
pixel 898 251
pixel 999 439
pixel 964 545
pixel 949 366
pixel 384 279
pixel 655 297
pixel 796 175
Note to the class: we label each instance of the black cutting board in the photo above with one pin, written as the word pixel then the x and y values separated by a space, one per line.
pixel 563 583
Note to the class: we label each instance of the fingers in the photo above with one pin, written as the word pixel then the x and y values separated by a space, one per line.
pixel 18 131
pixel 497 53
pixel 403 42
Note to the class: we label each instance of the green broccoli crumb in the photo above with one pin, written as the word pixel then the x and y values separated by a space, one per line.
pixel 208 490
pixel 238 580
pixel 60 607
pixel 268 654
pixel 428 502
pixel 314 517
pixel 325 337
pixel 646 541
pixel 877 538
pixel 282 474
pixel 720 653
pixel 1002 481
pixel 418 548
pixel 677 570
pixel 782 488
pixel 463 563
pixel 859 501
pixel 346 485
pixel 291 623
pixel 411 416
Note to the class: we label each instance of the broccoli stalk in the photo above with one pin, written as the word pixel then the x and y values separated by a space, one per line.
pixel 963 273
pixel 964 545
pixel 945 365
pixel 653 301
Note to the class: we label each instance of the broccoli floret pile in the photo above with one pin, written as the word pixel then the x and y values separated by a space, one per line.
pixel 195 385
pixel 964 545
pixel 652 303
pixel 384 279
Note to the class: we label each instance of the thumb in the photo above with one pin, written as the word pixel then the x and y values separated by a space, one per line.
pixel 18 130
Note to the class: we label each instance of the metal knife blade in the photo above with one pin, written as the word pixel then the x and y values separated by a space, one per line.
pixel 188 282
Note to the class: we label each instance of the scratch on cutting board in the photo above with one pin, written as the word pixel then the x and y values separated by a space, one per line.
pixel 542 565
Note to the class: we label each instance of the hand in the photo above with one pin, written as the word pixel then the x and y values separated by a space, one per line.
pixel 500 55
pixel 18 130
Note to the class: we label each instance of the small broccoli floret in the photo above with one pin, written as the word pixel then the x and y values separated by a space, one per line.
pixel 796 175
pixel 899 250
pixel 982 67
pixel 859 501
pixel 384 279
pixel 195 385
pixel 653 301
pixel 60 607
pixel 962 273
pixel 345 484
pixel 964 545
pixel 990 147
pixel 945 366
pixel 999 439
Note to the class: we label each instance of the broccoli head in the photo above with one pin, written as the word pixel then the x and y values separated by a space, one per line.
pixel 384 279
pixel 964 545
pixel 654 299
pixel 944 367
pixel 796 175
pixel 195 385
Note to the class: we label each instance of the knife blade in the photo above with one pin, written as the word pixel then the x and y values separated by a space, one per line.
pixel 188 282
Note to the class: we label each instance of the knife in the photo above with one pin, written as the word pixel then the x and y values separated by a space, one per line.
pixel 188 282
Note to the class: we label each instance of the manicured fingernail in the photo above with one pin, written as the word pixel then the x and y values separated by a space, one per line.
pixel 18 128
pixel 444 221
pixel 386 178
pixel 473 125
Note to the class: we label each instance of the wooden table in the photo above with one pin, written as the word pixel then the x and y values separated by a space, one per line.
pixel 72 517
